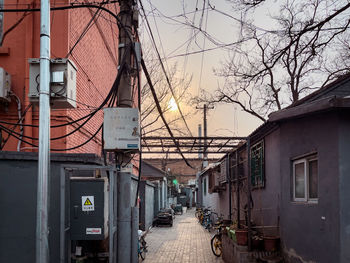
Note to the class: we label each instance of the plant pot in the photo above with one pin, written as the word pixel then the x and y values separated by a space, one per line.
pixel 257 243
pixel 242 237
pixel 271 243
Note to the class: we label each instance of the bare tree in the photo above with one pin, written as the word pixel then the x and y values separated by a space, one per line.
pixel 278 66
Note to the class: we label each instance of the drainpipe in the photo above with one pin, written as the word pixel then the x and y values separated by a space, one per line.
pixel 42 232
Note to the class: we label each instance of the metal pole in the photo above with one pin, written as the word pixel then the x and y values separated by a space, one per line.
pixel 112 226
pixel 205 132
pixel 134 234
pixel 124 100
pixel 228 171
pixel 62 215
pixel 125 90
pixel 237 189
pixel 42 233
pixel 200 140
pixel 124 218
pixel 249 195
pixel 205 154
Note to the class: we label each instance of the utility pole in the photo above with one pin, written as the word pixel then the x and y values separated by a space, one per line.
pixel 205 108
pixel 42 232
pixel 125 42
pixel 200 140
pixel 127 219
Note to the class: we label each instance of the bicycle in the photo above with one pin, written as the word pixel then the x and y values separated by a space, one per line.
pixel 207 221
pixel 141 245
pixel 198 212
pixel 216 240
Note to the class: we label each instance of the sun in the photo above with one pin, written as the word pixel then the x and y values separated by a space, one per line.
pixel 172 104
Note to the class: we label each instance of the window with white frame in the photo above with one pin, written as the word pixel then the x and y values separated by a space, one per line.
pixel 305 179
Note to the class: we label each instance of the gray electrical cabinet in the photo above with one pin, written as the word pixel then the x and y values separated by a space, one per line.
pixel 88 208
pixel 63 78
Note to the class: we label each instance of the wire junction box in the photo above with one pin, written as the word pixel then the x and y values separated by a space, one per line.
pixel 62 82
pixel 5 85
pixel 121 129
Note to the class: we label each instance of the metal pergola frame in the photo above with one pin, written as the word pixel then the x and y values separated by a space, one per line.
pixel 189 145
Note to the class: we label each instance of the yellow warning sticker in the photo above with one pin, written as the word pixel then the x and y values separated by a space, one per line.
pixel 87 203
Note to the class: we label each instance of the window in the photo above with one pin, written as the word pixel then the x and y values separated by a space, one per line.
pixel 1 20
pixel 205 186
pixel 257 167
pixel 305 179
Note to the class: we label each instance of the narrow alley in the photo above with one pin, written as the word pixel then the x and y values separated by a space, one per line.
pixel 186 241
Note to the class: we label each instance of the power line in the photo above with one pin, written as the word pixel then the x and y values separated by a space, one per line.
pixel 86 29
pixel 208 49
pixel 202 62
pixel 100 7
pixel 163 68
pixel 112 101
pixel 11 133
pixel 2 144
pixel 160 111
pixel 112 94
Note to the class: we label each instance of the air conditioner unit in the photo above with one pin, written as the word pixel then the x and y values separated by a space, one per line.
pixel 5 85
pixel 62 82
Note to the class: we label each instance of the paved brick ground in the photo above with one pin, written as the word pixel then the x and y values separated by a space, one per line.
pixel 185 242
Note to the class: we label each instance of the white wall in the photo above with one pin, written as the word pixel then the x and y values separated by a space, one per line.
pixel 219 203
pixel 210 200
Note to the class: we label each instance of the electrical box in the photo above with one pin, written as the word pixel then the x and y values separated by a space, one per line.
pixel 5 85
pixel 88 208
pixel 121 129
pixel 63 75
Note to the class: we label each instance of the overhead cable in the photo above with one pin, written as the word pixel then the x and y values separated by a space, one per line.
pixel 163 69
pixel 160 110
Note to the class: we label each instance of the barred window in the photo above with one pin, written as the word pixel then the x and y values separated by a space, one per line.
pixel 257 164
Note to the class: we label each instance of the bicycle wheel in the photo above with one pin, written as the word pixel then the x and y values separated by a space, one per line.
pixel 216 245
pixel 209 226
pixel 142 253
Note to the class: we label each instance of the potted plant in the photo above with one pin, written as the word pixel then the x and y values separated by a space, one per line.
pixel 242 237
pixel 271 243
pixel 257 242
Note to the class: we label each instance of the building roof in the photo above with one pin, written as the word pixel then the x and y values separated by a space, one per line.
pixel 335 95
pixel 148 170
pixel 317 106
pixel 339 87
pixel 209 167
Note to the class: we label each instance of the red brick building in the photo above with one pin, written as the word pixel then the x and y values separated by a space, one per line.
pixel 178 168
pixel 95 55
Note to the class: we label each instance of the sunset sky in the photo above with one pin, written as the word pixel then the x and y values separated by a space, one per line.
pixel 172 40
